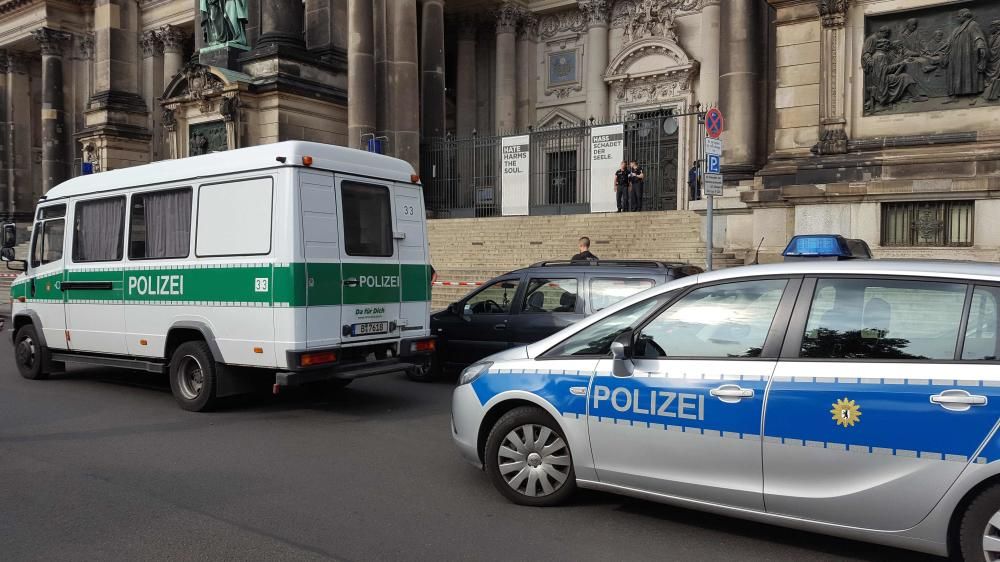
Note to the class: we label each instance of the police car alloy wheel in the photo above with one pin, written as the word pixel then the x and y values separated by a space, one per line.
pixel 28 354
pixel 528 458
pixel 980 530
pixel 193 376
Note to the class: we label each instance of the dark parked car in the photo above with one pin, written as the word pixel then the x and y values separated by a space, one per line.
pixel 530 304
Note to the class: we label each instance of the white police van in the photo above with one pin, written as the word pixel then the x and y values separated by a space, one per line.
pixel 304 260
pixel 857 398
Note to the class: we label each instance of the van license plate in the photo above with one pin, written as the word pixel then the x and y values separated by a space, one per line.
pixel 369 328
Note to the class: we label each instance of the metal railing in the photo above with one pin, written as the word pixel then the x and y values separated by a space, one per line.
pixel 462 174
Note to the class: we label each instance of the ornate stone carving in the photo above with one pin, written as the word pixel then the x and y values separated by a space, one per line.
pixel 50 40
pixel 651 91
pixel 168 119
pixel 151 44
pixel 528 28
pixel 832 141
pixel 229 107
pixel 833 12
pixel 199 80
pixel 507 16
pixel 596 11
pixel 932 58
pixel 205 138
pixel 569 21
pixel 172 38
pixel 224 22
pixel 85 46
pixel 17 62
pixel 639 19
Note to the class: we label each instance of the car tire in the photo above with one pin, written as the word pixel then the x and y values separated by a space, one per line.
pixel 980 520
pixel 428 372
pixel 29 354
pixel 193 376
pixel 535 470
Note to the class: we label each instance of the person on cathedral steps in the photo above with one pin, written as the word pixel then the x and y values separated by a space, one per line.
pixel 621 187
pixel 636 178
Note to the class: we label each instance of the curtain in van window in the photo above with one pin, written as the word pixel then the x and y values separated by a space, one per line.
pixel 168 223
pixel 97 235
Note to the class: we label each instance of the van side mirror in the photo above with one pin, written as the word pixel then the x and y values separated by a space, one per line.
pixel 7 256
pixel 9 236
pixel 621 355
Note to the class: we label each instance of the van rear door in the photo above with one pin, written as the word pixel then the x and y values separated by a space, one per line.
pixel 371 285
pixel 321 244
pixel 415 275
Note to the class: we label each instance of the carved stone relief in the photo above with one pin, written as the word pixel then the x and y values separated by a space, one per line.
pixel 569 21
pixel 931 59
pixel 639 19
pixel 205 138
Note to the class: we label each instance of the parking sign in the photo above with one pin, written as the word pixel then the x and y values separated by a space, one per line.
pixel 713 163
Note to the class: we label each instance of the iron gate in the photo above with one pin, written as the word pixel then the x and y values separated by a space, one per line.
pixel 462 175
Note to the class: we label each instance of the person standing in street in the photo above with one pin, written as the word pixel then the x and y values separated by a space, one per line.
pixel 584 254
pixel 621 186
pixel 636 178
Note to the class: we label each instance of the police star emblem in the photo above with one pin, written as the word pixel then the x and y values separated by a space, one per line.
pixel 846 412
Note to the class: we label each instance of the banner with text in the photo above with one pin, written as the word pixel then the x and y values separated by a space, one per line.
pixel 514 178
pixel 606 149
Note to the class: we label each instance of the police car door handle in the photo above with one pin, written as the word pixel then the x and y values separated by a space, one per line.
pixel 731 393
pixel 351 282
pixel 957 400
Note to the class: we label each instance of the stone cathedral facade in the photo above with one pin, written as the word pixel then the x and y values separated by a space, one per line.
pixel 877 119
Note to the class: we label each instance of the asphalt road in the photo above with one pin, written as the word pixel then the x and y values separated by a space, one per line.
pixel 100 464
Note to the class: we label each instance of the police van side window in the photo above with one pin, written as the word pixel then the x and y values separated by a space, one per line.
pixel 596 339
pixel 981 342
pixel 234 218
pixel 883 319
pixel 719 321
pixel 160 225
pixel 367 219
pixel 47 246
pixel 98 230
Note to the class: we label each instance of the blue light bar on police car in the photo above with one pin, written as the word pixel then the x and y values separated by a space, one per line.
pixel 818 246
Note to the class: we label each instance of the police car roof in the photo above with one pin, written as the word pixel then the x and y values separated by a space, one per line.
pixel 979 271
pixel 325 157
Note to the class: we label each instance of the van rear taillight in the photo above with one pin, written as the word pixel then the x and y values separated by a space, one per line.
pixel 318 358
pixel 423 346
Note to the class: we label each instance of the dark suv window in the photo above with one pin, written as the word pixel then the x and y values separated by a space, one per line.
pixel 883 319
pixel 550 295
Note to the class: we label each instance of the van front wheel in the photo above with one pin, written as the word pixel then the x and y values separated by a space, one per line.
pixel 29 354
pixel 193 376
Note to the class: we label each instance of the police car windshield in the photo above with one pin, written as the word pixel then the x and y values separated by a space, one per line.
pixel 597 338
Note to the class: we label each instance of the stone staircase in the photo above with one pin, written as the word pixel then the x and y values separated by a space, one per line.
pixel 476 250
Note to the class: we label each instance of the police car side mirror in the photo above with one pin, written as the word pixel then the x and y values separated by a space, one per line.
pixel 621 355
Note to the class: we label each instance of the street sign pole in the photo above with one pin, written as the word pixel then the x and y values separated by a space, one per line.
pixel 709 227
pixel 712 179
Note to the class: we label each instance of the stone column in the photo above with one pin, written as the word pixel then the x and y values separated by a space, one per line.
pixel 507 16
pixel 152 86
pixel 708 77
pixel 6 193
pixel 360 72
pixel 20 195
pixel 833 80
pixel 54 165
pixel 172 38
pixel 403 80
pixel 282 24
pixel 326 30
pixel 741 70
pixel 527 70
pixel 465 78
pixel 432 85
pixel 596 12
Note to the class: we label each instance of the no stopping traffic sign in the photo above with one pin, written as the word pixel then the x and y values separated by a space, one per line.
pixel 714 123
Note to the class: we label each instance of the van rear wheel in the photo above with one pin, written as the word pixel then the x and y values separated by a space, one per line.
pixel 193 376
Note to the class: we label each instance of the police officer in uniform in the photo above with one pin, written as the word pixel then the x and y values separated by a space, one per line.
pixel 635 177
pixel 621 186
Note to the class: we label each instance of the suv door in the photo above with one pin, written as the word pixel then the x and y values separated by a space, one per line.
pixel 549 305
pixel 479 327
pixel 45 276
pixel 871 406
pixel 686 420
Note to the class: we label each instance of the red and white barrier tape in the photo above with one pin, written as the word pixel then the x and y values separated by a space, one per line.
pixel 457 283
pixel 7 275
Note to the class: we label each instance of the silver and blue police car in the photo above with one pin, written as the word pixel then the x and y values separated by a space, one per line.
pixel 856 398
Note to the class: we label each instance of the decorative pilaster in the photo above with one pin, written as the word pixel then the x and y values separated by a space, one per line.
pixel 20 196
pixel 432 84
pixel 465 80
pixel 597 14
pixel 507 17
pixel 527 69
pixel 361 75
pixel 6 193
pixel 833 78
pixel 54 161
pixel 152 86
